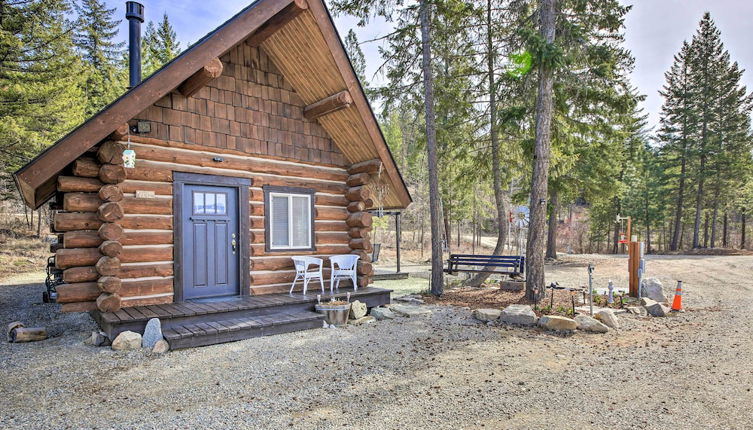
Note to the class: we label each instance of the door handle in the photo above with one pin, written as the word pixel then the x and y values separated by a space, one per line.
pixel 233 243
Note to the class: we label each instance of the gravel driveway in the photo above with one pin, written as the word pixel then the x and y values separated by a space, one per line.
pixel 694 370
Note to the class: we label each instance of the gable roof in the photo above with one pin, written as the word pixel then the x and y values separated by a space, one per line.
pixel 301 39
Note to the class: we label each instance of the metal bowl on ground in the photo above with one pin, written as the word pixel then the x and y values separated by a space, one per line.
pixel 336 315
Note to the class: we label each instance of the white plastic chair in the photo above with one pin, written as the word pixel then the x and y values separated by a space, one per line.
pixel 343 267
pixel 302 272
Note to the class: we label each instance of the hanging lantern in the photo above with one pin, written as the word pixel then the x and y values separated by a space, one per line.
pixel 129 158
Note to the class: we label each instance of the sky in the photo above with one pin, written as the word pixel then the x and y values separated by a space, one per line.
pixel 655 30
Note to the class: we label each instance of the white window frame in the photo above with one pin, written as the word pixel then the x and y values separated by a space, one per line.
pixel 309 245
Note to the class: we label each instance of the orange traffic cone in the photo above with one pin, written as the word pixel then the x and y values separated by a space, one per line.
pixel 677 303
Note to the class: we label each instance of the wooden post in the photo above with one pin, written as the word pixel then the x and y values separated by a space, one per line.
pixel 634 261
pixel 397 239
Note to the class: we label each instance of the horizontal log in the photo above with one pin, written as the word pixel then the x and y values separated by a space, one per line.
pixel 110 231
pixel 209 72
pixel 86 167
pixel 145 254
pixel 365 268
pixel 110 212
pixel 156 206
pixel 356 194
pixel 146 270
pixel 145 301
pixel 148 238
pixel 158 188
pixel 275 23
pixel 331 214
pixel 80 274
pixel 327 105
pixel 330 200
pixel 362 255
pixel 357 206
pixel 108 302
pixel 121 133
pixel 360 219
pixel 111 152
pixel 110 193
pixel 112 173
pixel 81 239
pixel 108 266
pixel 76 257
pixel 285 287
pixel 146 173
pixel 258 250
pixel 358 179
pixel 79 307
pixel 67 184
pixel 141 222
pixel 68 221
pixel 331 237
pixel 364 281
pixel 249 164
pixel 282 277
pixel 27 334
pixel 358 232
pixel 81 202
pixel 111 248
pixel 146 287
pixel 364 244
pixel 79 292
pixel 109 284
pixel 368 166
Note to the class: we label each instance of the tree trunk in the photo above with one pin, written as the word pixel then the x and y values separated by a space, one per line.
pixel 706 230
pixel 551 243
pixel 699 203
pixel 742 230
pixel 714 217
pixel 447 229
pixel 431 152
pixel 542 147
pixel 725 230
pixel 677 230
pixel 499 198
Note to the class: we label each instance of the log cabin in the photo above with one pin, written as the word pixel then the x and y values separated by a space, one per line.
pixel 254 145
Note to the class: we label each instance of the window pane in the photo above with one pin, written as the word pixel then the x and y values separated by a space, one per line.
pixel 198 203
pixel 301 221
pixel 279 221
pixel 221 205
pixel 210 205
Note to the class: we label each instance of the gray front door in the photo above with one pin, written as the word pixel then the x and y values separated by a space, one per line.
pixel 210 241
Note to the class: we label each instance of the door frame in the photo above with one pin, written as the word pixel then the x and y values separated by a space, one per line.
pixel 180 179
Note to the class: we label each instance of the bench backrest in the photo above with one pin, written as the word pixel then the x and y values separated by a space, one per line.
pixel 516 262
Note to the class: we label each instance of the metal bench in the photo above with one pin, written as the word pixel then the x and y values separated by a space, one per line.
pixel 511 265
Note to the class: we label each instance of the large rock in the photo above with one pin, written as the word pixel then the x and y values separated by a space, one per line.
pixel 637 310
pixel 558 323
pixel 152 333
pixel 657 310
pixel 161 347
pixel 486 314
pixel 98 338
pixel 518 314
pixel 510 285
pixel 652 288
pixel 127 341
pixel 382 313
pixel 646 302
pixel 410 311
pixel 363 320
pixel 358 309
pixel 586 323
pixel 608 317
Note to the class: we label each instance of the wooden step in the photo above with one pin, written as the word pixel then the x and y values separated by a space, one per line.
pixel 189 335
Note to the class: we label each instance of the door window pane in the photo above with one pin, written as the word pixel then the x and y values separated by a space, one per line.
pixel 210 204
pixel 221 204
pixel 198 203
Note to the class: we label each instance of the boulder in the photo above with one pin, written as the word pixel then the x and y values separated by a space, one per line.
pixel 161 347
pixel 363 320
pixel 518 314
pixel 486 314
pixel 646 302
pixel 98 338
pixel 410 310
pixel 382 313
pixel 152 333
pixel 608 317
pixel 657 310
pixel 509 285
pixel 358 309
pixel 416 300
pixel 652 288
pixel 637 310
pixel 558 323
pixel 126 341
pixel 586 323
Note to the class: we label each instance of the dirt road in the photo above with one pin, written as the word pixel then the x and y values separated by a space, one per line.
pixel 447 371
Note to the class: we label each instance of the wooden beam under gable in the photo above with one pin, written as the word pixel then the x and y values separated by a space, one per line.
pixel 277 22
pixel 210 71
pixel 327 105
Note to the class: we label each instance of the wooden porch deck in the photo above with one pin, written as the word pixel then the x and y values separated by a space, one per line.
pixel 199 323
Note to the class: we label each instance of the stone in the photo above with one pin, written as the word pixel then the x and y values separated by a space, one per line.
pixel 161 347
pixel 486 314
pixel 608 317
pixel 652 288
pixel 646 302
pixel 98 338
pixel 657 310
pixel 152 333
pixel 410 299
pixel 363 320
pixel 126 341
pixel 512 285
pixel 557 323
pixel 358 309
pixel 410 310
pixel 586 323
pixel 518 314
pixel 637 310
pixel 382 313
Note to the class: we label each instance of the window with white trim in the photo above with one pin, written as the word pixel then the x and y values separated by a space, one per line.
pixel 289 219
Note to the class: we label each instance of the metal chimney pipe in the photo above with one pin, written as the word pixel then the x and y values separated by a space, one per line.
pixel 135 16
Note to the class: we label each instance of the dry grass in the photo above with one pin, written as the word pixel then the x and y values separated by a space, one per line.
pixel 21 251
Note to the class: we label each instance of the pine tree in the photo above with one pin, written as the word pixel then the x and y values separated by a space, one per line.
pixel 160 45
pixel 96 43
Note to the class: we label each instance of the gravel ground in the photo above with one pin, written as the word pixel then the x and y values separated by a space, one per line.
pixel 693 370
